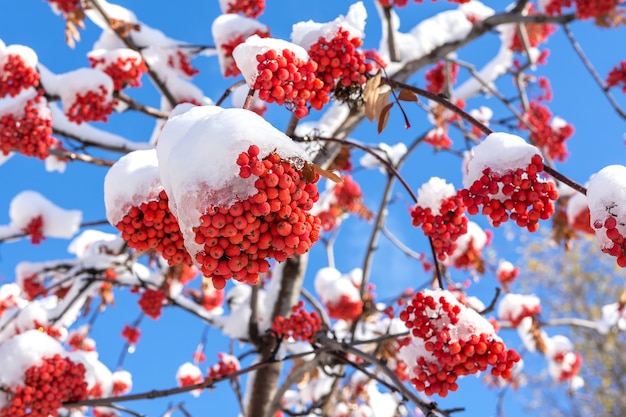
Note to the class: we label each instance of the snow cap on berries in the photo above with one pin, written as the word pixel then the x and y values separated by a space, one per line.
pixel 57 222
pixel 227 28
pixel 81 81
pixel 514 307
pixel 501 152
pixel 307 33
pixel 606 195
pixel 132 180
pixel 197 153
pixel 431 194
pixel 245 54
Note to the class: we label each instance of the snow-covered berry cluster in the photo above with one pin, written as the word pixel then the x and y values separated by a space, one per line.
pixel 46 387
pixel 578 214
pixel 563 361
pixel 66 6
pixel 440 213
pixel 26 125
pixel 189 374
pixel 226 365
pixel 273 223
pixel 507 185
pixel 299 325
pixel 78 340
pixel 18 69
pixel 449 340
pixel 229 67
pixel 151 302
pixel 607 213
pixel 124 66
pixel 506 273
pixel 468 254
pixel 340 292
pixel 179 61
pixel 339 200
pixel 515 307
pixel 617 76
pixel 441 74
pixel 87 95
pixel 122 383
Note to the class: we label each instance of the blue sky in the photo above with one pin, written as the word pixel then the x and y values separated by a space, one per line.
pixel 167 343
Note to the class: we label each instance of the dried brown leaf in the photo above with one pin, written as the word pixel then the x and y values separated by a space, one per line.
pixel 406 95
pixel 123 28
pixel 383 117
pixel 370 96
pixel 327 174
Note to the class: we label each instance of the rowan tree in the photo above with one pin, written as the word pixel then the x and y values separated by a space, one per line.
pixel 299 219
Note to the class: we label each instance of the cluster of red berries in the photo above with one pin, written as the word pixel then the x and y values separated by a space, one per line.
pixel 66 6
pixel 537 33
pixel 248 8
pixel 582 221
pixel 34 229
pixel 77 340
pixel 273 223
pixel 153 226
pixel 348 198
pixel 585 9
pixel 151 302
pixel 618 249
pixel 340 65
pixel 226 365
pixel 33 287
pixel 617 76
pixel 438 76
pixel 506 273
pixel 543 135
pixel 28 132
pixel 443 228
pixel 120 385
pixel 212 300
pixel 46 387
pixel 16 76
pixel 346 308
pixel 471 257
pixel 569 363
pixel 180 61
pixel 300 325
pixel 193 376
pixel 435 320
pixel 92 106
pixel 526 197
pixel 283 78
pixel 438 137
pixel 124 71
pixel 131 334
pixel 232 70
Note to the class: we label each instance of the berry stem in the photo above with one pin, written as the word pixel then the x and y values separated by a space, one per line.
pixel 248 102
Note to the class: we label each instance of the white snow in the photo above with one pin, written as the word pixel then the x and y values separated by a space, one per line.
pixel 513 306
pixel 391 153
pixel 134 179
pixel 331 285
pixel 501 152
pixel 307 33
pixel 613 315
pixel 432 193
pixel 576 205
pixel 81 81
pixel 475 236
pixel 228 27
pixel 28 55
pixel 57 222
pixel 90 242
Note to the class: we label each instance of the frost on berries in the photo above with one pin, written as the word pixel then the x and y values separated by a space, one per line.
pixel 36 216
pixel 122 382
pixel 282 73
pixel 226 365
pixel 189 374
pixel 229 30
pixel 86 95
pixel 340 292
pixel 503 181
pixel 515 307
pixel 38 376
pixel 563 362
pixel 440 213
pixel 449 340
pixel 137 205
pixel 605 196
pixel 18 69
pixel 506 273
pixel 124 66
pixel 299 325
pixel 26 125
pixel 241 204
